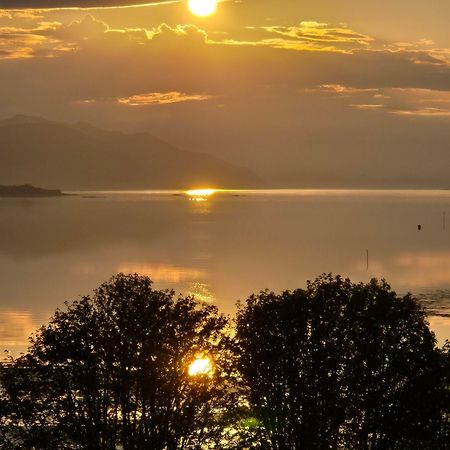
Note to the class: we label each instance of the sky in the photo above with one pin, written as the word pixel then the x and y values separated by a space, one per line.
pixel 305 93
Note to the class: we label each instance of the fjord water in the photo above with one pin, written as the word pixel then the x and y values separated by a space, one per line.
pixel 220 248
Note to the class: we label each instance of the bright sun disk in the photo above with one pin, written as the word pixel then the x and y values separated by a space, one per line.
pixel 202 7
pixel 200 366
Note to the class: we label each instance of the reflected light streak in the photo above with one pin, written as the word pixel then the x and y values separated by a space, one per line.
pixel 200 195
pixel 424 269
pixel 163 272
pixel 16 327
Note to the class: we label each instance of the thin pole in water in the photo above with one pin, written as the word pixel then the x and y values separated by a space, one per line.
pixel 444 220
pixel 367 260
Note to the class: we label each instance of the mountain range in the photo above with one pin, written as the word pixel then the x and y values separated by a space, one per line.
pixel 80 156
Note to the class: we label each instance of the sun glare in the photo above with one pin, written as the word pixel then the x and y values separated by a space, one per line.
pixel 202 7
pixel 201 366
pixel 200 192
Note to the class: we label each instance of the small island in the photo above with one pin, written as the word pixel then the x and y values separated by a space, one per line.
pixel 28 190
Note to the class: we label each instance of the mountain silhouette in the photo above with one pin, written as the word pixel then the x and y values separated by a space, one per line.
pixel 27 190
pixel 37 151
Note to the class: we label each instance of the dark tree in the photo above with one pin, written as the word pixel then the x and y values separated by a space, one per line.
pixel 396 369
pixel 113 371
pixel 340 365
pixel 443 438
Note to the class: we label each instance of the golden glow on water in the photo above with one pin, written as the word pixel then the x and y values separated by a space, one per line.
pixel 201 366
pixel 168 273
pixel 202 8
pixel 200 195
pixel 201 192
pixel 15 327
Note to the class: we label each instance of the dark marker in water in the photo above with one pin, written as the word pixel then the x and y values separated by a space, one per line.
pixel 419 227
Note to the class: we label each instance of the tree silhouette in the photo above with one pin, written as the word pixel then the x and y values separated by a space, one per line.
pixel 340 365
pixel 337 365
pixel 112 371
pixel 443 438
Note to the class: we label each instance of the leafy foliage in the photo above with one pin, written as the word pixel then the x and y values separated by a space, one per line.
pixel 340 365
pixel 337 365
pixel 112 370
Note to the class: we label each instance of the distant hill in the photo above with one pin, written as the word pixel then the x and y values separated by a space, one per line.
pixel 27 190
pixel 40 152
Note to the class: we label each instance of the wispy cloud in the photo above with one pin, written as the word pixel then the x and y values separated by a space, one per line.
pixel 412 102
pixel 161 98
pixel 340 89
pixel 423 112
pixel 321 32
pixel 368 106
pixel 28 42
pixel 311 35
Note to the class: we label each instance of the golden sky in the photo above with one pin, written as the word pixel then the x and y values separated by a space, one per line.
pixel 297 90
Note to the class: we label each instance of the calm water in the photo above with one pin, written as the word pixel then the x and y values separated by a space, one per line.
pixel 220 248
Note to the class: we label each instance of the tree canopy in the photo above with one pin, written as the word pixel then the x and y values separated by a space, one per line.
pixel 338 365
pixel 113 370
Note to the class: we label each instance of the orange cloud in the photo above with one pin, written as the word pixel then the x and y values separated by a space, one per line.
pixel 368 106
pixel 321 32
pixel 18 43
pixel 313 36
pixel 423 112
pixel 161 98
pixel 413 102
pixel 340 89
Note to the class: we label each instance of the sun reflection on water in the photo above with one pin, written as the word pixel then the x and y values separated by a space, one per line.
pixel 200 195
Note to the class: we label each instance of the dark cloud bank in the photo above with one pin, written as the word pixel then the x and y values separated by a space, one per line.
pixel 38 4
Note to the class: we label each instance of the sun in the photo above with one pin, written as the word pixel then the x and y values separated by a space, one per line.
pixel 202 7
pixel 201 366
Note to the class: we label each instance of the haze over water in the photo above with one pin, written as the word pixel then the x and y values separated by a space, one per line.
pixel 220 248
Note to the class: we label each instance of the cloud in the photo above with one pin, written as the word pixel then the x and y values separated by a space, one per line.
pixel 368 106
pixel 321 32
pixel 340 89
pixel 59 4
pixel 312 35
pixel 423 112
pixel 413 102
pixel 51 39
pixel 167 35
pixel 16 43
pixel 161 98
